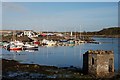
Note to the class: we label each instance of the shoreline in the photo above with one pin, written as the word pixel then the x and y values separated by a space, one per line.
pixel 104 36
pixel 12 69
pixel 107 36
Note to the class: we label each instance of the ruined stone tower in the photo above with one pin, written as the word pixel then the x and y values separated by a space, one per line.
pixel 98 63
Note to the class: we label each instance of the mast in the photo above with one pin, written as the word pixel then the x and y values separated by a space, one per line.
pixel 80 33
pixel 47 34
pixel 71 34
pixel 13 35
pixel 75 33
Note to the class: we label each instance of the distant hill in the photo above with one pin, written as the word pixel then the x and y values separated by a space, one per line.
pixel 105 31
pixel 110 31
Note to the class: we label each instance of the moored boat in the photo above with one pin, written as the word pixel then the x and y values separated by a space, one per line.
pixel 16 48
pixel 18 43
pixel 36 42
pixel 13 47
pixel 29 47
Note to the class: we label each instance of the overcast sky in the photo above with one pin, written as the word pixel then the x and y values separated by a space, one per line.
pixel 59 16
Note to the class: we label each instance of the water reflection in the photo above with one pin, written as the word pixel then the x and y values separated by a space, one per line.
pixel 31 50
pixel 62 56
pixel 16 51
pixel 12 56
pixel 28 50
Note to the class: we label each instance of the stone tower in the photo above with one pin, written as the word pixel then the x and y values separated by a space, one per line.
pixel 98 63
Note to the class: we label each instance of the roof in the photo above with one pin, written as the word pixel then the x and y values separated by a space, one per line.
pixel 99 52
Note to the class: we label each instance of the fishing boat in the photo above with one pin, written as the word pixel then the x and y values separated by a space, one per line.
pixel 16 51
pixel 13 47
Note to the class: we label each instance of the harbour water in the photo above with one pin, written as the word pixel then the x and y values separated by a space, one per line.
pixel 62 56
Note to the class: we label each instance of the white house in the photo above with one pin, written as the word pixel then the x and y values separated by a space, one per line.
pixel 30 33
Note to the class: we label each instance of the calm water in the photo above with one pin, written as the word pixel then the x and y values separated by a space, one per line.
pixel 63 55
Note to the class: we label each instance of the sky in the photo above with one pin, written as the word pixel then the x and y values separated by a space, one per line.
pixel 60 0
pixel 59 16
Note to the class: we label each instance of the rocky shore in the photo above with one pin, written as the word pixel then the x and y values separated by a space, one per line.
pixel 16 71
pixel 13 70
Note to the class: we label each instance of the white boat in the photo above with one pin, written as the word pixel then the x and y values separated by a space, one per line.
pixel 14 47
pixel 17 51
pixel 95 42
pixel 18 43
pixel 81 41
pixel 44 41
pixel 51 43
pixel 29 46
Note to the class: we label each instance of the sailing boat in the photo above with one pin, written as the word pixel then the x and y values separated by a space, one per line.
pixel 81 40
pixel 71 41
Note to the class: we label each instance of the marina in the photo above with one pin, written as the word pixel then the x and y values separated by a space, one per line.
pixel 68 55
pixel 59 40
pixel 63 51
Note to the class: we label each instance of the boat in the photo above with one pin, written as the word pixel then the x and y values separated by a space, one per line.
pixel 29 47
pixel 18 43
pixel 51 43
pixel 63 40
pixel 81 41
pixel 71 43
pixel 14 47
pixel 36 42
pixel 17 51
pixel 94 42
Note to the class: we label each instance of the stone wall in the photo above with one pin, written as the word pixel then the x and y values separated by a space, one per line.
pixel 99 63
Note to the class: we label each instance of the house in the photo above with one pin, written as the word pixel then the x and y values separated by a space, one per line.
pixel 59 34
pixel 30 33
pixel 19 34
